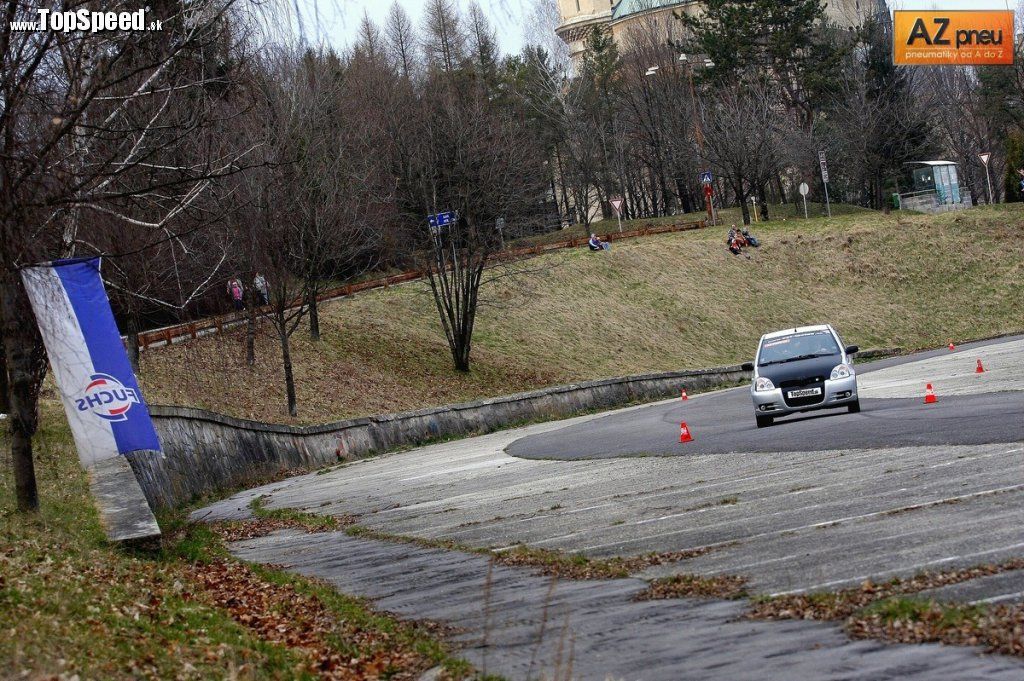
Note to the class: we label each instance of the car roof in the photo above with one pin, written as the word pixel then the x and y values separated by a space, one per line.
pixel 799 329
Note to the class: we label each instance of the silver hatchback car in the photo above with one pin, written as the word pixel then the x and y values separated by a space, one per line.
pixel 800 370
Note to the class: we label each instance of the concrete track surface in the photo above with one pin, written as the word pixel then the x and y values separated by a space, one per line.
pixel 791 516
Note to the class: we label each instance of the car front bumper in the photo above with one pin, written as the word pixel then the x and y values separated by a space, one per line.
pixel 837 393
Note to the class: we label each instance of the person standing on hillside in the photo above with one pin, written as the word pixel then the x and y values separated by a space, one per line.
pixel 237 293
pixel 259 284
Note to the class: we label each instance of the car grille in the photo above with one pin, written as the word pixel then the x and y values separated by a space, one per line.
pixel 806 382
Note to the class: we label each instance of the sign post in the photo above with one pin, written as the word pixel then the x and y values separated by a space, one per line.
pixel 824 178
pixel 985 158
pixel 499 224
pixel 804 190
pixel 617 207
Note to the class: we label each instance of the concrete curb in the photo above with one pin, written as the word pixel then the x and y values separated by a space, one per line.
pixel 206 453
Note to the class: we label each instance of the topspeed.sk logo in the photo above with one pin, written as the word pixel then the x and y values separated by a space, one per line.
pixel 108 398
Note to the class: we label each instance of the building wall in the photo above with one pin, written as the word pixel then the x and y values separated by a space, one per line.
pixel 581 16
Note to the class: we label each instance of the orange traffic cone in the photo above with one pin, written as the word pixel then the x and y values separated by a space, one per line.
pixel 980 369
pixel 683 396
pixel 684 433
pixel 951 346
pixel 929 395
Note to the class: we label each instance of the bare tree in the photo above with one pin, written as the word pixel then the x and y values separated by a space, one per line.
pixel 742 138
pixel 443 39
pixel 464 155
pixel 401 40
pixel 86 122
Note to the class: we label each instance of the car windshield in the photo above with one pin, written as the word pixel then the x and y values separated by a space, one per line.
pixel 797 346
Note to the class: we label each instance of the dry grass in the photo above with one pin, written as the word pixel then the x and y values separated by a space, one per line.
pixel 660 303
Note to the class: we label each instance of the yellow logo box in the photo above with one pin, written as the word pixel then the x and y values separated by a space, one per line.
pixel 954 37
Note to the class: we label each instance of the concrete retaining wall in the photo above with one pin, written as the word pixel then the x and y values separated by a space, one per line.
pixel 205 453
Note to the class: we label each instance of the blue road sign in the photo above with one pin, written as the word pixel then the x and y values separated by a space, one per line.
pixel 706 177
pixel 441 219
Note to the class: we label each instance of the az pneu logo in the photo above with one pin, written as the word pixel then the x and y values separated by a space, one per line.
pixel 108 398
pixel 957 37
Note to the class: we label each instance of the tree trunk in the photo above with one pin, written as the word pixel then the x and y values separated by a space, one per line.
pixel 289 379
pixel 133 342
pixel 250 337
pixel 22 396
pixel 5 402
pixel 314 314
pixel 763 199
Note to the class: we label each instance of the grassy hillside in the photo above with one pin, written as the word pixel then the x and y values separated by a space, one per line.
pixel 660 303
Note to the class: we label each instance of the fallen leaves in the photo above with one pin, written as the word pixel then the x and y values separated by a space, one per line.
pixel 262 526
pixel 333 648
pixel 695 586
pixel 835 605
pixel 884 611
pixel 999 628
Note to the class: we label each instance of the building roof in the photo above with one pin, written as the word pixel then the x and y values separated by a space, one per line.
pixel 625 8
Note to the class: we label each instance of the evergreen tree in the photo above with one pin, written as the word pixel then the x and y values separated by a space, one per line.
pixel 786 41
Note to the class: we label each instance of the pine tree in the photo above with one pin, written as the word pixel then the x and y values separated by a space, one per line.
pixel 788 42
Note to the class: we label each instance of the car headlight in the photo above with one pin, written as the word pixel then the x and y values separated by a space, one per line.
pixel 762 385
pixel 841 371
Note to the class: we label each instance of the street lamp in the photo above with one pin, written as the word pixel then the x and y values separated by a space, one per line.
pixel 698 131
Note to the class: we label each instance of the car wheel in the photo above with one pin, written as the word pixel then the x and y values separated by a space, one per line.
pixel 764 421
pixel 855 407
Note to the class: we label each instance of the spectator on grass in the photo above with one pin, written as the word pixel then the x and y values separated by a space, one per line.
pixel 237 293
pixel 259 283
pixel 750 238
pixel 735 241
pixel 596 244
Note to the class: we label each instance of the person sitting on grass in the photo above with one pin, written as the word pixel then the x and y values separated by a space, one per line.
pixel 596 244
pixel 735 241
pixel 750 238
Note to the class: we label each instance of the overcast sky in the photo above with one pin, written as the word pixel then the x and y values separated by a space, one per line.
pixel 338 19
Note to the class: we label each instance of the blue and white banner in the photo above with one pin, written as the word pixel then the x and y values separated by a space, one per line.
pixel 90 366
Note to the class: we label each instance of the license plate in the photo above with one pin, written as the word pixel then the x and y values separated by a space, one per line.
pixel 809 392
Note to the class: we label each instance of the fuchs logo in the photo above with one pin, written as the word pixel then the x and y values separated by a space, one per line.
pixel 108 398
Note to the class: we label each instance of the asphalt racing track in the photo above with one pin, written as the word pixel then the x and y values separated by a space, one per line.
pixel 723 422
pixel 814 503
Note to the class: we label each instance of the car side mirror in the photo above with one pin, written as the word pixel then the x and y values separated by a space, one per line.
pixel 852 349
pixel 747 366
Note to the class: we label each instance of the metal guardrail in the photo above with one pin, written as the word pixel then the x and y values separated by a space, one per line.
pixel 218 324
